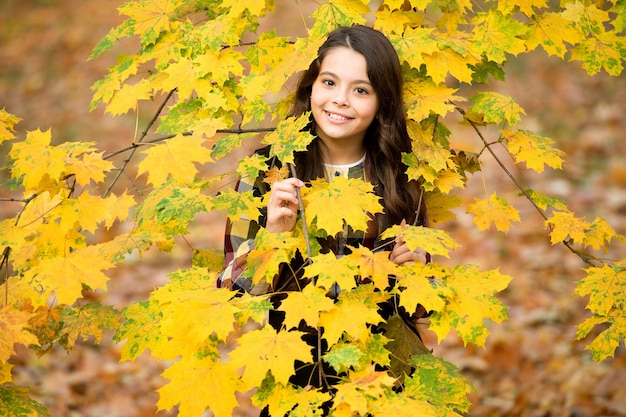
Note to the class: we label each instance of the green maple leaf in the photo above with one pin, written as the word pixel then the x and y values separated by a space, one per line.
pixel 250 166
pixel 497 34
pixel 413 44
pixel 437 381
pixel 496 108
pixel 543 201
pixel 288 138
pixel 15 402
pixel 171 207
pixel 87 320
pixel 335 13
pixel 238 204
pixel 605 51
pixel 343 356
pixel 606 287
pixel 141 330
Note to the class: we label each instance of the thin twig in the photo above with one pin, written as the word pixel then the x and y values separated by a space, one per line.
pixel 143 135
pixel 305 229
pixel 5 279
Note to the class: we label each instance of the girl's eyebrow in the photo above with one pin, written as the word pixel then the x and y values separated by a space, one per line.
pixel 332 74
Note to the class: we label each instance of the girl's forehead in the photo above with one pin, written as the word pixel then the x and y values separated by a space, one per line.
pixel 344 58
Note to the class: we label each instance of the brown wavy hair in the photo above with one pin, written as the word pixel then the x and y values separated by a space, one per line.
pixel 386 138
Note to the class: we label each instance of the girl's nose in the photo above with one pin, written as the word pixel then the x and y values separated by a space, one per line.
pixel 341 99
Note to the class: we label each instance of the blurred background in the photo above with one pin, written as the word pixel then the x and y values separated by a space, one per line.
pixel 531 365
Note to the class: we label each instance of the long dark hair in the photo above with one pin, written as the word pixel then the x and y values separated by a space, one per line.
pixel 386 138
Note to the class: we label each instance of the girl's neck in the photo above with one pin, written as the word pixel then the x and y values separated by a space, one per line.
pixel 333 154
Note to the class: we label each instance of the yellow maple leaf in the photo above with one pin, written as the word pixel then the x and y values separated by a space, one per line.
pixel 469 301
pixel 270 250
pixel 213 313
pixel 606 287
pixel 89 211
pixel 374 266
pixel 433 241
pixel 535 150
pixel 13 324
pixel 7 125
pixel 150 17
pixel 329 270
pixel 444 61
pixel 422 96
pixel 197 383
pixel 565 223
pixel 600 235
pixel 64 277
pixel 35 159
pixel 439 207
pixel 265 350
pixel 551 31
pixel 6 375
pixel 354 196
pixel 128 96
pixel 362 389
pixel 293 401
pixel 609 339
pixel 494 210
pixel 390 20
pixel 419 287
pixel 305 305
pixel 353 311
pixel 91 167
pixel 176 157
pixel 220 65
pixel 38 210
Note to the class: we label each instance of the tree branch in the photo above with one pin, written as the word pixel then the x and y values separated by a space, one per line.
pixel 585 257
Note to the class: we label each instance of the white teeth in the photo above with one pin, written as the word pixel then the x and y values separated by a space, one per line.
pixel 336 116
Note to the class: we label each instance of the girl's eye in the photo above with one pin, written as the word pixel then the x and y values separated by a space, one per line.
pixel 329 83
pixel 361 90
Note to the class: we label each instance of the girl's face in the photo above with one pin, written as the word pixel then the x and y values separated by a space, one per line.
pixel 343 101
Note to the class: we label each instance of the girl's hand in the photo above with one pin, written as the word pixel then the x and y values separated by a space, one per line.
pixel 401 254
pixel 282 206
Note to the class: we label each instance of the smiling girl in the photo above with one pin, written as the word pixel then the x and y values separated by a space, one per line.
pixel 353 90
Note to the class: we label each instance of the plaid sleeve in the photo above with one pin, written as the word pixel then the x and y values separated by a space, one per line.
pixel 238 242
